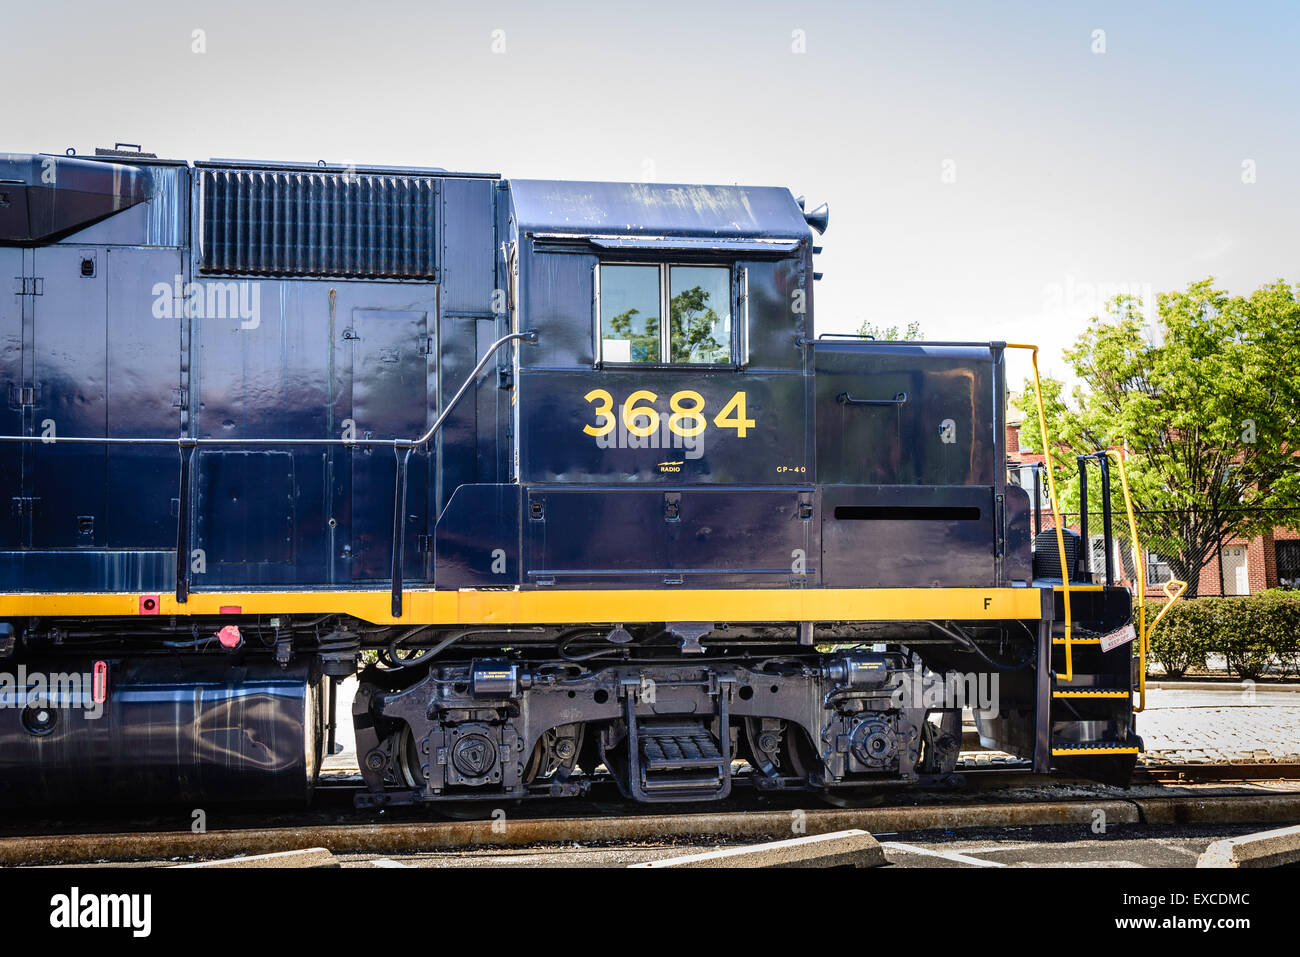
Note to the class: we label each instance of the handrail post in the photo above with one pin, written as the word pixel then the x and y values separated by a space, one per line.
pixel 1083 514
pixel 1139 574
pixel 186 448
pixel 1038 501
pixel 1056 508
pixel 401 459
pixel 1107 532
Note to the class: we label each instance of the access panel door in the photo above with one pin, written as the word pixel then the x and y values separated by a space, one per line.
pixel 143 354
pixel 12 394
pixel 391 365
pixel 69 368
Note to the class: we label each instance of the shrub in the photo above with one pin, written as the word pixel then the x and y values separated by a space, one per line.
pixel 1254 633
pixel 1184 636
pixel 1244 634
pixel 1284 628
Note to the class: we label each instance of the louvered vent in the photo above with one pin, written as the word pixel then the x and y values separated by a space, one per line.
pixel 362 225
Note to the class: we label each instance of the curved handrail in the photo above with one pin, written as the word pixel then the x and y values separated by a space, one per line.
pixel 188 442
pixel 187 445
pixel 1139 574
pixel 1173 596
pixel 1056 509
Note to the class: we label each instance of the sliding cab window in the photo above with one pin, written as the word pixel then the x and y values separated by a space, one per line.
pixel 635 298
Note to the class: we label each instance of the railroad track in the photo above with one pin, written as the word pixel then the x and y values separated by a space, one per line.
pixel 535 823
pixel 1143 774
pixel 1205 773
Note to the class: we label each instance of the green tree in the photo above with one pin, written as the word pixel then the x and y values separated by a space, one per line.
pixel 645 344
pixel 1207 409
pixel 891 333
pixel 691 321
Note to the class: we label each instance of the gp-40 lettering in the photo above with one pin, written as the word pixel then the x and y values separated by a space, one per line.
pixel 686 417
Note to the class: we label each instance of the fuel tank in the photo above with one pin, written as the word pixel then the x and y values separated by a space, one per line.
pixel 157 730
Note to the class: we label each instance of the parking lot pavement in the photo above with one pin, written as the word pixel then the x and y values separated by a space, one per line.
pixel 1070 846
pixel 558 855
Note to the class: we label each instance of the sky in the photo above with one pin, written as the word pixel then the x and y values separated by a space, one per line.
pixel 994 170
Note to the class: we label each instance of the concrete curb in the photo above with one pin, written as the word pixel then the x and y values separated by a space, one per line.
pixel 1265 849
pixel 851 848
pixel 772 825
pixel 1253 809
pixel 1227 684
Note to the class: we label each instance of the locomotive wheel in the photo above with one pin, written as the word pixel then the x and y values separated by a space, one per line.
pixel 793 757
pixel 556 753
pixel 940 743
pixel 408 759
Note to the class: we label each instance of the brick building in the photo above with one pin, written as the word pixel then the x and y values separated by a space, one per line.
pixel 1271 560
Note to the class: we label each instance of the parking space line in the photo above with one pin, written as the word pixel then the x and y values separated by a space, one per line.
pixel 955 856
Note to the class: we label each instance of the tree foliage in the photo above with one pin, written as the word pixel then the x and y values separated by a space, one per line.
pixel 1207 409
pixel 891 333
pixel 691 321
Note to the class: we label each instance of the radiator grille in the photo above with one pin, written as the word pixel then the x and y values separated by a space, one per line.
pixel 337 224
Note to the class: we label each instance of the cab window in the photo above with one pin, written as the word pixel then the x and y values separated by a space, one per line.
pixel 633 298
pixel 629 314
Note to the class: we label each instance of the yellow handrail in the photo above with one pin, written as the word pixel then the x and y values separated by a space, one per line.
pixel 1173 590
pixel 1139 575
pixel 1056 510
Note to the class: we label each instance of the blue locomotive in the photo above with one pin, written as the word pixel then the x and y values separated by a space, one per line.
pixel 564 470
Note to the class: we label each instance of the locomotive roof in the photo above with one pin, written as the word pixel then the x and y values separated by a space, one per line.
pixel 657 209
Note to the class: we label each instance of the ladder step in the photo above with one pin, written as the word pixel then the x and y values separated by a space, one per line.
pixel 1093 750
pixel 679 748
pixel 1092 693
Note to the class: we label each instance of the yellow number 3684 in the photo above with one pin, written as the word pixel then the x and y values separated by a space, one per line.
pixel 686 417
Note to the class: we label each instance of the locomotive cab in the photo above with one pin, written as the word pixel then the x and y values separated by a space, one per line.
pixel 668 373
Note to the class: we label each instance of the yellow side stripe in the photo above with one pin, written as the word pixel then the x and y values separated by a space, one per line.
pixel 1091 694
pixel 482 607
pixel 1069 751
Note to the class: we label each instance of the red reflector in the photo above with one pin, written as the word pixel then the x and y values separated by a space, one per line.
pixel 232 609
pixel 148 604
pixel 99 684
pixel 230 636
